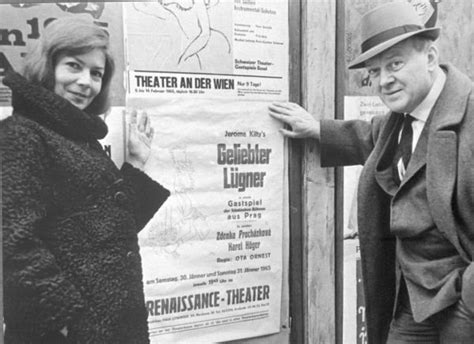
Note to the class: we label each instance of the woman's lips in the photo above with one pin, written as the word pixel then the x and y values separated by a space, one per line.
pixel 79 95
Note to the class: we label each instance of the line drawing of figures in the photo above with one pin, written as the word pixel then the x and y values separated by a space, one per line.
pixel 184 184
pixel 183 222
pixel 193 19
pixel 164 236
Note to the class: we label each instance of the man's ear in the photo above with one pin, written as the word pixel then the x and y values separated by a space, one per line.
pixel 433 57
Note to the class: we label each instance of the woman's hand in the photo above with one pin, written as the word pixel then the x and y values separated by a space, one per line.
pixel 140 137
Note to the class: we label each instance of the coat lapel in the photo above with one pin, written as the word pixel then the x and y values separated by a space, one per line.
pixel 383 165
pixel 442 154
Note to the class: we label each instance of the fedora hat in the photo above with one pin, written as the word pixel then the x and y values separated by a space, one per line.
pixel 387 25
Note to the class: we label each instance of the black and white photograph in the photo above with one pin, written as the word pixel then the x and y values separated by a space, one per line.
pixel 237 171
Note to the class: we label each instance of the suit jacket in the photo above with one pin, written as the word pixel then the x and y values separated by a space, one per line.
pixel 450 190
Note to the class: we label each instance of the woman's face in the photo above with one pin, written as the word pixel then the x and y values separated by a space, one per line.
pixel 78 78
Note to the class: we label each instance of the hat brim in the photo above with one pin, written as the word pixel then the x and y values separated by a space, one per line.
pixel 359 62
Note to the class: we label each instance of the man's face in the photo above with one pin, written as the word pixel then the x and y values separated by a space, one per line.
pixel 403 75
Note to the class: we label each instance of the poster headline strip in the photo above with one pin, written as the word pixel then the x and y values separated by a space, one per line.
pixel 220 74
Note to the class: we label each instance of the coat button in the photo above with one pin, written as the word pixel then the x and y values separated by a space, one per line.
pixel 130 254
pixel 120 197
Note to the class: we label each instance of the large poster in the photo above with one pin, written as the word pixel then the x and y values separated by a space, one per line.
pixel 212 255
pixel 208 48
pixel 204 72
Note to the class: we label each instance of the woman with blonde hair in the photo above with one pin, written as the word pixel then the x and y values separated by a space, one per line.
pixel 71 264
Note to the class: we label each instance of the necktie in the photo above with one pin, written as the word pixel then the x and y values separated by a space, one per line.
pixel 403 152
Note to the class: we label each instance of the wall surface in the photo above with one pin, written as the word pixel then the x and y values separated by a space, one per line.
pixel 312 229
pixel 318 97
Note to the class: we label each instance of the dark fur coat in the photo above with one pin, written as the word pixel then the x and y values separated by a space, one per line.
pixel 70 224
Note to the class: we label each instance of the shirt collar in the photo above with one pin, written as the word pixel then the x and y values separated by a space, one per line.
pixel 422 111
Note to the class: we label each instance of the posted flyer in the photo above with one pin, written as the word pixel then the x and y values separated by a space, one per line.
pixel 204 72
pixel 208 49
pixel 212 255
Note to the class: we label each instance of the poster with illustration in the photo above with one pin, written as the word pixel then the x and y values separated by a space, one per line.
pixel 208 48
pixel 204 71
pixel 212 255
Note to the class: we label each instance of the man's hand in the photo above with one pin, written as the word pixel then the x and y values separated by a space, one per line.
pixel 302 124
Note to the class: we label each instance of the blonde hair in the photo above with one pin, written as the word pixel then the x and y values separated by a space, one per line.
pixel 70 36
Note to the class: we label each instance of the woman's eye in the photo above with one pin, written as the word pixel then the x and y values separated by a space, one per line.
pixel 73 65
pixel 97 74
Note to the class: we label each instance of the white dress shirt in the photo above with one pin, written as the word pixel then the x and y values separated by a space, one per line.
pixel 422 111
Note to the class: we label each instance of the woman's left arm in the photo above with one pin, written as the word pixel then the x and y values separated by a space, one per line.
pixel 150 195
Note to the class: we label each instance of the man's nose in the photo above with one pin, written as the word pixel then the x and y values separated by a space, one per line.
pixel 386 78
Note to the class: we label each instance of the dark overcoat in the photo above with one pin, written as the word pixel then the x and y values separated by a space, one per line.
pixel 70 224
pixel 449 183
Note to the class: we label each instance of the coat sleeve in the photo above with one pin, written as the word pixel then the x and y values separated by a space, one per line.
pixel 150 195
pixel 467 293
pixel 38 298
pixel 345 143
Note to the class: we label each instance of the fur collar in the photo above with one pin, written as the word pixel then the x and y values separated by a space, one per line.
pixel 50 110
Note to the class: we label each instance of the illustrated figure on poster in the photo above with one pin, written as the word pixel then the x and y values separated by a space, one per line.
pixel 72 269
pixel 193 19
pixel 196 227
pixel 185 222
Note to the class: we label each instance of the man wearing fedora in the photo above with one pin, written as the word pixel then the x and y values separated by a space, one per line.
pixel 416 190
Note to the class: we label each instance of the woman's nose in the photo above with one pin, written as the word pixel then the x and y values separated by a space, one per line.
pixel 84 78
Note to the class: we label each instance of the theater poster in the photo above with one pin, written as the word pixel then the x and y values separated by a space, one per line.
pixel 208 48
pixel 205 72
